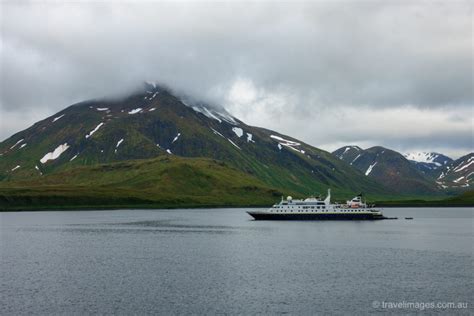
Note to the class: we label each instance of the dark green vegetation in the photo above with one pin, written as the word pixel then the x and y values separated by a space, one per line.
pixel 131 152
pixel 161 182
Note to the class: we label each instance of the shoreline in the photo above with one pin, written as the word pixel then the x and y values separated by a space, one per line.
pixel 189 207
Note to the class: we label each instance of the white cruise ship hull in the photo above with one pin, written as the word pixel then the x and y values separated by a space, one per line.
pixel 316 216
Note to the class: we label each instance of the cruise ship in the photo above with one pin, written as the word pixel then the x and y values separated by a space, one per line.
pixel 314 208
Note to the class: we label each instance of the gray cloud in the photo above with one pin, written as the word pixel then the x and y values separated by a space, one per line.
pixel 296 63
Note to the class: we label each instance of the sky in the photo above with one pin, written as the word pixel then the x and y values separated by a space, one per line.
pixel 398 74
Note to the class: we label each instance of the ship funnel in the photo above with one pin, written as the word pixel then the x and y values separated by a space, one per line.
pixel 327 201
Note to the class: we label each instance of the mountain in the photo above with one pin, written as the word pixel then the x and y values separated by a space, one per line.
pixel 155 122
pixel 428 162
pixel 459 174
pixel 389 168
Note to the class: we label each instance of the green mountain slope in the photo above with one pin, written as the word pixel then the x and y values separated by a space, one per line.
pixel 167 181
pixel 154 123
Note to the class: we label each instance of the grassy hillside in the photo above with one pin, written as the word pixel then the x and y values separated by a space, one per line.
pixel 161 182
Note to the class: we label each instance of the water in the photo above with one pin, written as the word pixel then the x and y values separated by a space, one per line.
pixel 212 261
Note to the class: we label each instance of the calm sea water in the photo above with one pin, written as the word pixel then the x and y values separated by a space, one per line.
pixel 212 261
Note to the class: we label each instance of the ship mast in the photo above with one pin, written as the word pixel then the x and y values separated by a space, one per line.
pixel 327 201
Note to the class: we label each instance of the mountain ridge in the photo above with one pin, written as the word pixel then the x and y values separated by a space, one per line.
pixel 433 172
pixel 153 123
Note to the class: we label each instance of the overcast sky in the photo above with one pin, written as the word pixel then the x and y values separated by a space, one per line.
pixel 392 73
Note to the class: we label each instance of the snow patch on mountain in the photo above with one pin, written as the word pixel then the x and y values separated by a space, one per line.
pixel 369 170
pixel 54 154
pixel 57 118
pixel 341 156
pixel 218 115
pixel 291 147
pixel 176 138
pixel 238 131
pixel 18 166
pixel 345 150
pixel 118 144
pixel 234 144
pixel 22 145
pixel 36 167
pixel 94 130
pixel 135 111
pixel 287 143
pixel 249 138
pixel 102 109
pixel 228 118
pixel 355 159
pixel 151 97
pixel 17 143
pixel 74 157
pixel 217 133
pixel 458 179
pixel 425 157
pixel 209 114
pixel 441 184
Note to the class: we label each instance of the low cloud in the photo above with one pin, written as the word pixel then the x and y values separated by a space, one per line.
pixel 273 64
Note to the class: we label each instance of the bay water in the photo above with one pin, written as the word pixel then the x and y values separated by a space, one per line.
pixel 210 261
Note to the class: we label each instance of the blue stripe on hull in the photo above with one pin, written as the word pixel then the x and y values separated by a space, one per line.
pixel 314 217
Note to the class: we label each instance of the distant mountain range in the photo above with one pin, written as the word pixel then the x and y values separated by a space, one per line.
pixel 387 167
pixel 154 123
pixel 420 172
